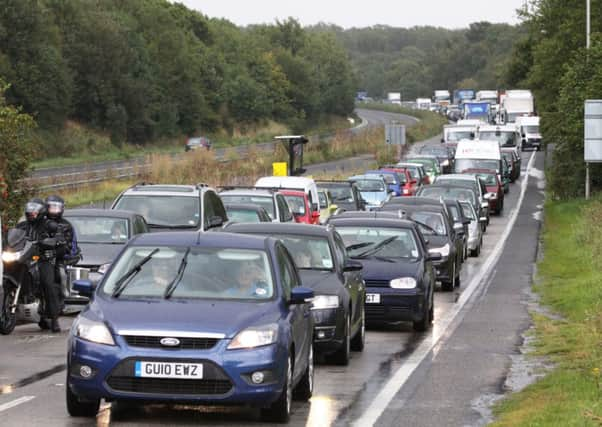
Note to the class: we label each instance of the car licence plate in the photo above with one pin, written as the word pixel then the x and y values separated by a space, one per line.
pixel 193 371
pixel 372 298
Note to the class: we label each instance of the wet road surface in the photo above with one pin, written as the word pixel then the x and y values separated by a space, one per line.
pixel 433 388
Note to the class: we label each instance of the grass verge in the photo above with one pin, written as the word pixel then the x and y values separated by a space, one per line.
pixel 569 282
pixel 77 144
pixel 430 124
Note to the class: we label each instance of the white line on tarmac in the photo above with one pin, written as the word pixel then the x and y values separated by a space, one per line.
pixel 440 330
pixel 15 402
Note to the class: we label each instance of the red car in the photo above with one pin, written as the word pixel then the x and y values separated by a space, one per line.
pixel 299 204
pixel 494 187
pixel 409 185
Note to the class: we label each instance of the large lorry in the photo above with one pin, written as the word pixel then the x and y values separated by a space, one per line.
pixel 423 103
pixel 516 103
pixel 477 111
pixel 490 96
pixel 463 95
pixel 394 98
pixel 442 97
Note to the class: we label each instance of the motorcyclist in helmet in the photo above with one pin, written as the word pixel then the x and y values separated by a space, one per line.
pixel 37 228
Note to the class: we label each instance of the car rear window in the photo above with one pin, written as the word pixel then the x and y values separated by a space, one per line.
pixel 168 211
pixel 266 202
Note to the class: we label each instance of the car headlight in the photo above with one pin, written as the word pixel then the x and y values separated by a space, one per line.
pixel 445 163
pixel 9 257
pixel 403 283
pixel 493 196
pixel 321 302
pixel 104 268
pixel 256 336
pixel 92 331
pixel 443 250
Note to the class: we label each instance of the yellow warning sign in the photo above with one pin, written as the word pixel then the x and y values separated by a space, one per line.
pixel 280 168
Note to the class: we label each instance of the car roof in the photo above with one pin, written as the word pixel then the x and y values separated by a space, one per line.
pixel 412 201
pixel 248 192
pixel 279 228
pixel 291 182
pixel 165 190
pixel 210 240
pixel 366 177
pixel 460 176
pixel 384 219
pixel 104 213
pixel 439 208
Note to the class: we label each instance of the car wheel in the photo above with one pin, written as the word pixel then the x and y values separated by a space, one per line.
pixel 423 325
pixel 78 408
pixel 359 340
pixel 457 280
pixel 280 410
pixel 305 388
pixel 449 286
pixel 341 356
pixel 432 310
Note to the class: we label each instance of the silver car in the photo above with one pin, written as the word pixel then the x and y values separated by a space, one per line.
pixel 475 231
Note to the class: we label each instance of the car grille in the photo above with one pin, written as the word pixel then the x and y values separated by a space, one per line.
pixel 375 310
pixel 377 283
pixel 185 343
pixel 169 386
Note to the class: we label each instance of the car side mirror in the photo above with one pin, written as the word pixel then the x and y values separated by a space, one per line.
pixel 434 256
pixel 315 207
pixel 216 221
pixel 351 265
pixel 315 214
pixel 301 295
pixel 84 287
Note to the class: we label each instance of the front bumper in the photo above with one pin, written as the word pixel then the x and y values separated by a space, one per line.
pixel 443 270
pixel 226 373
pixel 493 204
pixel 396 305
pixel 329 329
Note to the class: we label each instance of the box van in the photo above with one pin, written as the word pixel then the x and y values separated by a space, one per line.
pixel 307 185
pixel 478 154
pixel 528 127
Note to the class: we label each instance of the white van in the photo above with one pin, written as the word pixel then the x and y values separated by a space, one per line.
pixel 528 127
pixel 301 183
pixel 456 133
pixel 478 154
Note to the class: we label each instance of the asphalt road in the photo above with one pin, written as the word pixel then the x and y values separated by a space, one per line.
pixel 401 378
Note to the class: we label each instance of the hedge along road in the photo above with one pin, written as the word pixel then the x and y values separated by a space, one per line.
pixel 370 390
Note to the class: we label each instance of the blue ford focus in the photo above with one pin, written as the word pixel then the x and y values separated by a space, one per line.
pixel 194 318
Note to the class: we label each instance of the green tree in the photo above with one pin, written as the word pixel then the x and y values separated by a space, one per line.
pixel 15 127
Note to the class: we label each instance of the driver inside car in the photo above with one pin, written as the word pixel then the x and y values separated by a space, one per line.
pixel 249 282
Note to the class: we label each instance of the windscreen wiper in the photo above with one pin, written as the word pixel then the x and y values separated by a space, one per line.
pixel 358 246
pixel 124 280
pixel 376 248
pixel 176 280
pixel 428 228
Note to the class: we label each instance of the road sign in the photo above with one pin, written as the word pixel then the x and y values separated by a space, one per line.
pixel 593 131
pixel 280 169
pixel 395 134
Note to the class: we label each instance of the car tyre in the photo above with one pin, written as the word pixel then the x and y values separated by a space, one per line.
pixel 305 388
pixel 341 356
pixel 359 340
pixel 448 286
pixel 280 410
pixel 78 408
pixel 8 320
pixel 423 325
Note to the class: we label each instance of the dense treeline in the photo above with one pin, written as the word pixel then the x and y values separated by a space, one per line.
pixel 419 60
pixel 144 69
pixel 552 60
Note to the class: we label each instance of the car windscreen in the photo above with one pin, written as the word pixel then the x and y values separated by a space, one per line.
pixel 266 202
pixel 468 211
pixel 427 164
pixel 488 178
pixel 311 253
pixel 341 193
pixel 168 211
pixel 296 203
pixel 453 193
pixel 503 138
pixel 89 229
pixel 429 223
pixel 464 164
pixel 530 129
pixel 208 273
pixel 322 198
pixel 457 136
pixel 370 185
pixel 371 241
pixel 242 215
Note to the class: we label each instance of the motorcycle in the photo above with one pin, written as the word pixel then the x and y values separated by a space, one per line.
pixel 22 298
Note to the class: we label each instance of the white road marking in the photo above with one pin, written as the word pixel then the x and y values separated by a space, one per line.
pixel 16 402
pixel 440 330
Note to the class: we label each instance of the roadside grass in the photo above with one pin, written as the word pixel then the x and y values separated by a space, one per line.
pixel 202 166
pixel 430 124
pixel 77 144
pixel 569 282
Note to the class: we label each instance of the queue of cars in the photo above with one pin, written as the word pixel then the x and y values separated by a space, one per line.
pixel 227 297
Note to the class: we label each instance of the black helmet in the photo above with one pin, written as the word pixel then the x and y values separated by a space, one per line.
pixel 55 205
pixel 35 210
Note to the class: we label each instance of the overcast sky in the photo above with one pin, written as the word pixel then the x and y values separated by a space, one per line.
pixel 400 13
